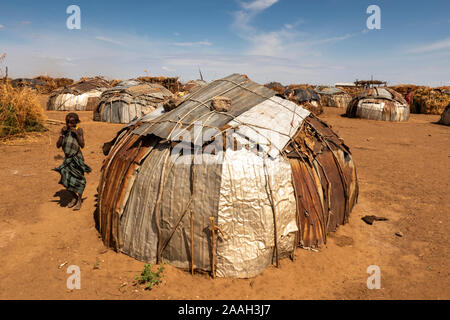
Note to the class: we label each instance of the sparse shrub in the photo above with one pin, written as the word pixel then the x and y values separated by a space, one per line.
pixel 150 277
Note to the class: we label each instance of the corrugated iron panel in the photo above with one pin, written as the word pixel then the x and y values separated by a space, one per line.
pixel 139 220
pixel 310 217
pixel 245 94
pixel 325 181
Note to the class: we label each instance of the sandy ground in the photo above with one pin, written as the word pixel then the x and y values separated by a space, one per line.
pixel 404 175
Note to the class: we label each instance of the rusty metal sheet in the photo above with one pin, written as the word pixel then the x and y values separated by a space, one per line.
pixel 325 181
pixel 310 218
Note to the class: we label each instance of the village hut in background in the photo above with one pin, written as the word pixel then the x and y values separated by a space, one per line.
pixel 276 86
pixel 333 97
pixel 172 84
pixel 379 104
pixel 83 95
pixel 42 84
pixel 445 117
pixel 34 84
pixel 129 100
pixel 430 100
pixel 230 181
pixel 305 97
pixel 193 85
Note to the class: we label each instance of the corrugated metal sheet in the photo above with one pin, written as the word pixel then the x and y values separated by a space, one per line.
pixel 325 181
pixel 138 223
pixel 244 94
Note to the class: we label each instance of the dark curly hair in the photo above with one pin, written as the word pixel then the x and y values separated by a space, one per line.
pixel 73 116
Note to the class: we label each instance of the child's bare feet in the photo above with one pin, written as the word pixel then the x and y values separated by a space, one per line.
pixel 78 205
pixel 73 202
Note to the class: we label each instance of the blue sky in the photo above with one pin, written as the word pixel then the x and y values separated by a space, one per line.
pixel 290 41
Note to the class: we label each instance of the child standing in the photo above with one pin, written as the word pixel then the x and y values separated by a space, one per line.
pixel 71 140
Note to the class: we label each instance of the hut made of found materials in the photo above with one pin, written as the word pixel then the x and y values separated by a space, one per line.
pixel 333 97
pixel 306 97
pixel 379 104
pixel 83 95
pixel 129 100
pixel 445 117
pixel 232 180
pixel 172 84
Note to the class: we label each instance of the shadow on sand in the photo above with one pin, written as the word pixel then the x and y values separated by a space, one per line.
pixel 64 197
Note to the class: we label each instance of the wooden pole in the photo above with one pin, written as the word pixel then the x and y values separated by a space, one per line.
pixel 192 242
pixel 213 247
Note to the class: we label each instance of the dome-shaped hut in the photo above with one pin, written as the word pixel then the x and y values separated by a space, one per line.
pixel 231 181
pixel 379 104
pixel 305 97
pixel 445 117
pixel 129 100
pixel 333 97
pixel 276 86
pixel 83 95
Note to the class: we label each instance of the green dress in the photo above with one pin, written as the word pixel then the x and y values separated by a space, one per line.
pixel 73 167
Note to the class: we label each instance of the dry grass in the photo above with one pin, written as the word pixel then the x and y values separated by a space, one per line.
pixel 171 84
pixel 430 100
pixel 20 111
pixel 404 89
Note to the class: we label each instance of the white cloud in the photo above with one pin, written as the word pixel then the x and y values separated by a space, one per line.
pixel 2 26
pixel 258 5
pixel 192 44
pixel 435 46
pixel 286 55
pixel 105 39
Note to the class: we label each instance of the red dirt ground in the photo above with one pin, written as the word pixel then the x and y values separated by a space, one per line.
pixel 404 175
